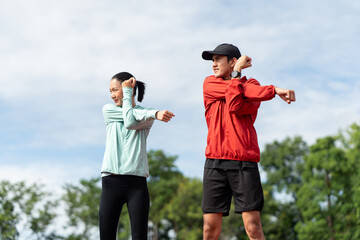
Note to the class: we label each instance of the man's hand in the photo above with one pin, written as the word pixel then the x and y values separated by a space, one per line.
pixel 129 83
pixel 286 94
pixel 242 63
pixel 164 115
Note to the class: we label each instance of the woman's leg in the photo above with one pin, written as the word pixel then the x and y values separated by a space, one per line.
pixel 110 208
pixel 138 206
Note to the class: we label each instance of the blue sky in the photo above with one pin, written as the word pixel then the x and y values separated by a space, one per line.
pixel 57 58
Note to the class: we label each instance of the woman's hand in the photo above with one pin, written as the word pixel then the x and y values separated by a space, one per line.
pixel 129 83
pixel 164 115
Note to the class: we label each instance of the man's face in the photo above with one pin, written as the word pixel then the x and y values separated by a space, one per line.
pixel 116 92
pixel 222 67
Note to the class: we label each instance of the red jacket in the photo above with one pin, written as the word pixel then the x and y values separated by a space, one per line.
pixel 230 111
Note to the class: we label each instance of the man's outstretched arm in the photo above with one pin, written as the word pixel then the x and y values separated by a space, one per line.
pixel 285 94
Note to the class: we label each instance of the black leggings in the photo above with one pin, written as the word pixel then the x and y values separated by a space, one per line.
pixel 116 191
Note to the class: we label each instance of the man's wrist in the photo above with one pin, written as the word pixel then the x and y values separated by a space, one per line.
pixel 275 89
pixel 235 74
pixel 237 68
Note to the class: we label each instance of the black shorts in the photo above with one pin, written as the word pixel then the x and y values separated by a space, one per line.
pixel 220 185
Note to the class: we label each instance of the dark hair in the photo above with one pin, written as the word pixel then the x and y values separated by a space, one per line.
pixel 140 86
pixel 229 58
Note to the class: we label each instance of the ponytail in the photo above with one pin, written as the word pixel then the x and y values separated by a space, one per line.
pixel 141 87
pixel 123 76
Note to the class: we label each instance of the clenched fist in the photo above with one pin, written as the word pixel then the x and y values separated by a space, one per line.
pixel 164 115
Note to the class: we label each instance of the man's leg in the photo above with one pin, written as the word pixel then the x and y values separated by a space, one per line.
pixel 216 201
pixel 253 227
pixel 212 226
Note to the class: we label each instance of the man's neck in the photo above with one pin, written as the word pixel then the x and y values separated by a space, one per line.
pixel 227 78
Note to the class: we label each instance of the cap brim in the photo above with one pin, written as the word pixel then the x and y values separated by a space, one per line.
pixel 208 55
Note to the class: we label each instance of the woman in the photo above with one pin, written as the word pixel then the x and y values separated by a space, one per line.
pixel 125 166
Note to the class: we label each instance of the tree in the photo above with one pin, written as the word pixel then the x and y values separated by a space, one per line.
pixel 163 183
pixel 124 227
pixel 233 226
pixel 82 200
pixel 82 208
pixel 184 210
pixel 351 141
pixel 325 197
pixel 283 163
pixel 29 205
pixel 8 217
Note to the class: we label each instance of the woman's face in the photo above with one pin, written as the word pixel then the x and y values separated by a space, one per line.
pixel 116 92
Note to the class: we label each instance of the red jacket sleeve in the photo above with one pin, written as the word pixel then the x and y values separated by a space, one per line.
pixel 244 97
pixel 254 92
pixel 213 90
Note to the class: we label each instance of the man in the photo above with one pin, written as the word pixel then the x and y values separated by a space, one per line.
pixel 232 152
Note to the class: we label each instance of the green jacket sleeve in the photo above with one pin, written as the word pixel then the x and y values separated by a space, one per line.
pixel 136 118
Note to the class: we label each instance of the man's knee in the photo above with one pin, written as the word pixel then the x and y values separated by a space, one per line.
pixel 212 226
pixel 254 230
pixel 211 231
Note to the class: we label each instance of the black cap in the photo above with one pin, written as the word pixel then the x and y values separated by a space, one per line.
pixel 223 49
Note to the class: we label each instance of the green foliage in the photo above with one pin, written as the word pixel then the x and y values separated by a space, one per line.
pixel 161 166
pixel 29 204
pixel 283 163
pixel 82 207
pixel 278 217
pixel 8 216
pixel 124 228
pixel 351 138
pixel 320 185
pixel 163 182
pixel 325 197
pixel 351 141
pixel 233 226
pixel 184 210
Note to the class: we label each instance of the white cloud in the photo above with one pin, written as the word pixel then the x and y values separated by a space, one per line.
pixel 57 59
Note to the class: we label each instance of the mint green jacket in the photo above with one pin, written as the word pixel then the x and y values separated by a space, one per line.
pixel 127 129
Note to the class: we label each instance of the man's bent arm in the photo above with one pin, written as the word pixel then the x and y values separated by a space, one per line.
pixel 214 89
pixel 254 92
pixel 236 101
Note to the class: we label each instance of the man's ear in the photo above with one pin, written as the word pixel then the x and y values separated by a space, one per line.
pixel 233 62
